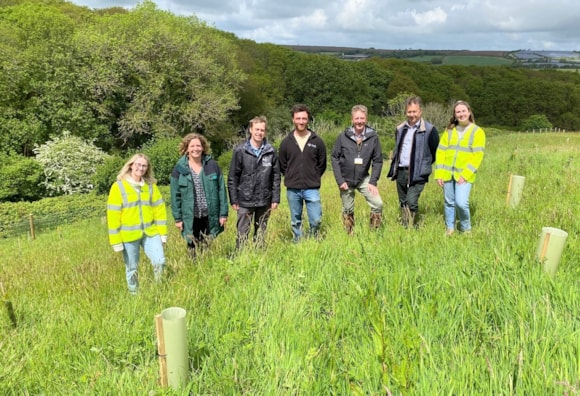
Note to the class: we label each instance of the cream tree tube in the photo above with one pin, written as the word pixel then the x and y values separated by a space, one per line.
pixel 515 189
pixel 176 348
pixel 550 248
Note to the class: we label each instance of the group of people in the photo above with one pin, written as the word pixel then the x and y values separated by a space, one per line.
pixel 137 216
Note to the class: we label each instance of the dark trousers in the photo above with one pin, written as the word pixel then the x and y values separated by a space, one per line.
pixel 246 216
pixel 200 232
pixel 408 195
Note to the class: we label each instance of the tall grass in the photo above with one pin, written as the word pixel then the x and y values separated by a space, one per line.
pixel 389 312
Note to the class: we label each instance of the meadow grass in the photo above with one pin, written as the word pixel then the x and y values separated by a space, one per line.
pixel 394 311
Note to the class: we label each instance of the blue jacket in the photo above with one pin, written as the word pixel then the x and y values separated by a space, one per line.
pixel 425 142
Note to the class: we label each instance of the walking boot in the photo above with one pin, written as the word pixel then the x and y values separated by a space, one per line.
pixel 376 220
pixel 348 222
pixel 405 213
pixel 412 223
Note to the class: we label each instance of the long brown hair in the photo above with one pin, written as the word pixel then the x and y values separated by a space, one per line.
pixel 453 121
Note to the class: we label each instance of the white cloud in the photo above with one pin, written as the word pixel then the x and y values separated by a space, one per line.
pixel 389 24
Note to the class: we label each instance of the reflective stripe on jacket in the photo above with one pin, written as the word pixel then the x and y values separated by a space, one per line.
pixel 132 213
pixel 460 158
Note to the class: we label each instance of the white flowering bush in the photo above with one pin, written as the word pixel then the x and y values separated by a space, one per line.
pixel 68 162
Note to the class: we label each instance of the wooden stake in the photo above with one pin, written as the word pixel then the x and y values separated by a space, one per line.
pixel 161 350
pixel 31 221
pixel 545 246
pixel 509 193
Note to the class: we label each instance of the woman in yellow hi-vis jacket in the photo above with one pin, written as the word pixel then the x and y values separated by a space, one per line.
pixel 136 216
pixel 458 157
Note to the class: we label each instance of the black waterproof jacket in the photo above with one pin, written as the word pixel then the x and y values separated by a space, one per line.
pixel 254 181
pixel 346 150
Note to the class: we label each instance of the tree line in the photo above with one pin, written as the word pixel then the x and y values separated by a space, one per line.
pixel 122 79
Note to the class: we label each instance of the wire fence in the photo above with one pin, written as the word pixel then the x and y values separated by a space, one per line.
pixel 34 224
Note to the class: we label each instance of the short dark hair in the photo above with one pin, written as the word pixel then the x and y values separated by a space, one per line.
pixel 298 108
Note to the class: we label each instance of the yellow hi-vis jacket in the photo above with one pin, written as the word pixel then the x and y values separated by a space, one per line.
pixel 133 212
pixel 460 158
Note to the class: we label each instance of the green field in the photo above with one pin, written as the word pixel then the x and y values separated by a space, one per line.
pixel 390 312
pixel 464 60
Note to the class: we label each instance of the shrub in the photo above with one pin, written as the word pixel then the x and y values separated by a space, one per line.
pixel 69 163
pixel 536 121
pixel 20 178
pixel 106 174
pixel 163 154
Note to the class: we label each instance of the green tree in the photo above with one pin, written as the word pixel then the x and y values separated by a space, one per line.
pixel 153 73
pixel 38 74
pixel 69 163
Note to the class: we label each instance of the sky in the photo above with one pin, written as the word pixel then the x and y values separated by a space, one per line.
pixel 477 25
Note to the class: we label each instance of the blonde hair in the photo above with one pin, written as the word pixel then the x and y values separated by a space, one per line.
pixel 257 120
pixel 188 138
pixel 128 167
pixel 361 108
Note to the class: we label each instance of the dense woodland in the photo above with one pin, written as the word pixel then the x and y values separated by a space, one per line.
pixel 120 79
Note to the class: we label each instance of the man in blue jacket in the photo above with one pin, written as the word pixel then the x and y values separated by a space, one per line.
pixel 254 182
pixel 356 150
pixel 416 142
pixel 303 162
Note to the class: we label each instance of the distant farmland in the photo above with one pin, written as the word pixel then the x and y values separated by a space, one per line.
pixel 465 60
pixel 561 60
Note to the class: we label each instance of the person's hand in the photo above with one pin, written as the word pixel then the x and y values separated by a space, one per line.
pixel 343 186
pixel 179 224
pixel 374 190
pixel 236 207
pixel 440 182
pixel 461 180
pixel 274 205
pixel 223 221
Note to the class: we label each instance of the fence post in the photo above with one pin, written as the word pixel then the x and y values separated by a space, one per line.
pixel 31 222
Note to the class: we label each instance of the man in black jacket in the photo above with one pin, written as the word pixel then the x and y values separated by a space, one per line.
pixel 355 151
pixel 254 182
pixel 302 162
pixel 416 143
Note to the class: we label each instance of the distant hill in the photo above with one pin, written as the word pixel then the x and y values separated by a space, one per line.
pixel 516 58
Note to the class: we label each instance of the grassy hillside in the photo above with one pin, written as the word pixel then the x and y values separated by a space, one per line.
pixel 389 312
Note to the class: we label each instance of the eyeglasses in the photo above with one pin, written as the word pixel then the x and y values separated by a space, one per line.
pixel 144 166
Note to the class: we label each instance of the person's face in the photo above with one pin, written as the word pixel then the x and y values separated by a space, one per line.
pixel 462 114
pixel 300 120
pixel 139 168
pixel 195 149
pixel 359 120
pixel 258 133
pixel 413 113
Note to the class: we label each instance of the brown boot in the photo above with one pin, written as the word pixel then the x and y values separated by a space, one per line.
pixel 405 214
pixel 376 220
pixel 413 220
pixel 348 222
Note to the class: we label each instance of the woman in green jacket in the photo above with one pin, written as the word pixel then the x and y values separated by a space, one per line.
pixel 198 192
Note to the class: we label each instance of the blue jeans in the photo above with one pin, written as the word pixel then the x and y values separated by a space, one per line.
pixel 296 200
pixel 457 199
pixel 153 248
